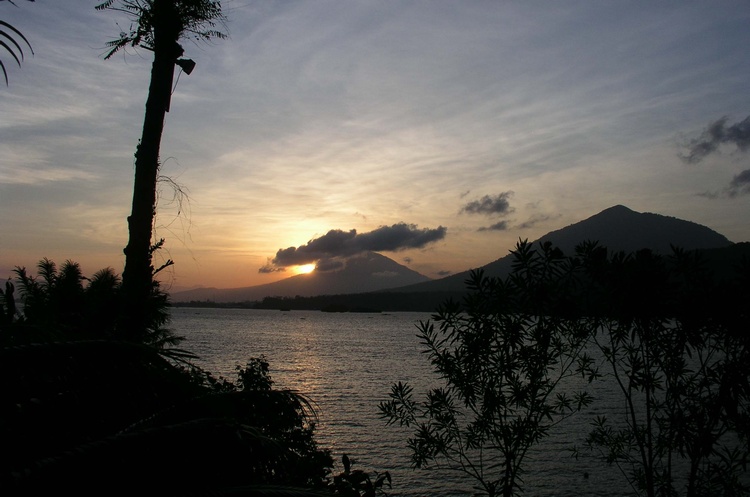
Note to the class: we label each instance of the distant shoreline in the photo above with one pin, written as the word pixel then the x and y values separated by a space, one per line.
pixel 362 302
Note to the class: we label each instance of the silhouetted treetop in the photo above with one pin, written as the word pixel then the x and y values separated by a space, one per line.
pixel 194 19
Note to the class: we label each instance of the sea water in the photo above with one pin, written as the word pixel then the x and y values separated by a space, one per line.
pixel 345 363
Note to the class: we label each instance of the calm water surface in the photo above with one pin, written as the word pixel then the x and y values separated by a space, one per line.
pixel 345 363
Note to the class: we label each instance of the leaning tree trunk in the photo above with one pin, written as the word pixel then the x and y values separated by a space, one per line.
pixel 137 277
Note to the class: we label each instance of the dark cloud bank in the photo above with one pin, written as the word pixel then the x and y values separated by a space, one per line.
pixel 499 206
pixel 740 184
pixel 715 135
pixel 491 205
pixel 325 250
pixel 499 226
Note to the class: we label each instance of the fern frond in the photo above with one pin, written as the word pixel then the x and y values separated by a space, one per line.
pixel 104 5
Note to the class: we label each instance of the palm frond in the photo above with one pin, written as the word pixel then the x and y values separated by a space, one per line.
pixel 197 21
pixel 176 354
pixel 70 272
pixel 48 271
pixel 104 5
pixel 106 277
pixel 10 33
pixel 9 49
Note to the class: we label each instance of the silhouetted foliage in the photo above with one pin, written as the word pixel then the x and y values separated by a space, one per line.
pixel 9 37
pixel 666 332
pixel 82 411
pixel 8 310
pixel 675 342
pixel 62 304
pixel 502 356
pixel 193 19
pixel 358 483
pixel 90 415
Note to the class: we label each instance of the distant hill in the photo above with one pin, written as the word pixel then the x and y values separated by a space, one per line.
pixel 617 228
pixel 369 272
pixel 620 228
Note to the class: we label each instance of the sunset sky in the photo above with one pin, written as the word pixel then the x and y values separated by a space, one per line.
pixel 435 132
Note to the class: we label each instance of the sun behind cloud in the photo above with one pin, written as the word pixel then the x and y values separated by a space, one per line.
pixel 304 269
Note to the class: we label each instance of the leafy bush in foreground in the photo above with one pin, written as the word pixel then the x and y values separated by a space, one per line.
pixel 85 413
pixel 502 358
pixel 62 304
pixel 672 337
pixel 674 340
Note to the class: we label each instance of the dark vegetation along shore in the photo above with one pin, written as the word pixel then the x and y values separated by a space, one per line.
pixel 722 262
pixel 363 302
pixel 84 410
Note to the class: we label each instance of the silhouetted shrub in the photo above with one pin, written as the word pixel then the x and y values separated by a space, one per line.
pixel 671 335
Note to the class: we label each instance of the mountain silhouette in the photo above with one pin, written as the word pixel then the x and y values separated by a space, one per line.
pixel 617 228
pixel 368 272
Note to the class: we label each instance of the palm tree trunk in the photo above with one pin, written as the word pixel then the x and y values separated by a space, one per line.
pixel 137 277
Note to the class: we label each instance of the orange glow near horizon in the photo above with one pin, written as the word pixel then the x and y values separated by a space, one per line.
pixel 304 269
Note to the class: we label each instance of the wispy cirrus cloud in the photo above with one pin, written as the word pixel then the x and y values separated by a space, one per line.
pixel 534 220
